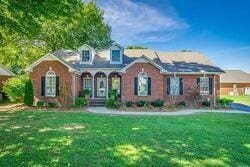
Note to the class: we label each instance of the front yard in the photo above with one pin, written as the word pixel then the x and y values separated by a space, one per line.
pixel 240 99
pixel 83 139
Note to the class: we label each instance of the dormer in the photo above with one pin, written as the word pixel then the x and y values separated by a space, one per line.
pixel 87 54
pixel 116 52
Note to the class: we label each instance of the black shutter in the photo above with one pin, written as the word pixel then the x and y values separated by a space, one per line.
pixel 168 86
pixel 57 86
pixel 181 86
pixel 135 86
pixel 149 86
pixel 42 86
pixel 210 86
pixel 198 81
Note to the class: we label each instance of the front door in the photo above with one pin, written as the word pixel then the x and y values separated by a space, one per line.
pixel 101 87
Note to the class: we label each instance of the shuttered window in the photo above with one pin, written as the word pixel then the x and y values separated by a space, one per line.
pixel 50 83
pixel 204 85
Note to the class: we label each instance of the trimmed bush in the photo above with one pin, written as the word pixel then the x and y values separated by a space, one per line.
pixel 14 88
pixel 81 102
pixel 182 103
pixel 206 103
pixel 142 103
pixel 113 94
pixel 158 103
pixel 28 94
pixel 52 104
pixel 128 103
pixel 224 102
pixel 111 103
pixel 40 104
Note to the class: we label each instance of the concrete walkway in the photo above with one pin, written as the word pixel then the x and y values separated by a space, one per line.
pixel 103 110
pixel 242 107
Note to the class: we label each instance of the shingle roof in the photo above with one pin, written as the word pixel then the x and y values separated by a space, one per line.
pixel 235 76
pixel 170 61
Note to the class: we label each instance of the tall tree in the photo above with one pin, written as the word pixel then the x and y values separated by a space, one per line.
pixel 31 28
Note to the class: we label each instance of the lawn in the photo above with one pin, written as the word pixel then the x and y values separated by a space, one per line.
pixel 83 139
pixel 240 99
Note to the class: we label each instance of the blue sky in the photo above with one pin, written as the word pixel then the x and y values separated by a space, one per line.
pixel 220 29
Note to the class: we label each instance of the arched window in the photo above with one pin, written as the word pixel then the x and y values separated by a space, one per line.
pixel 142 84
pixel 50 86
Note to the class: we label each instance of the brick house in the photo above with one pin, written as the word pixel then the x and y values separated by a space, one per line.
pixel 137 74
pixel 5 74
pixel 235 82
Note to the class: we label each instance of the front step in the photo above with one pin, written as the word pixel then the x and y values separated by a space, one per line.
pixel 97 102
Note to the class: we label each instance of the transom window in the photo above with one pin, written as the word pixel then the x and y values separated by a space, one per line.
pixel 115 56
pixel 174 86
pixel 142 84
pixel 50 89
pixel 87 83
pixel 85 55
pixel 116 84
pixel 204 85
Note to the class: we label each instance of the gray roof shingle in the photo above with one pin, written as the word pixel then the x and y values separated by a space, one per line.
pixel 235 76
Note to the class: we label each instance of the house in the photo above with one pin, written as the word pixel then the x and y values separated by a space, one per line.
pixel 235 82
pixel 137 74
pixel 5 74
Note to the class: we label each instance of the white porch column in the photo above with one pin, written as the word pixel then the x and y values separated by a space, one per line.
pixel 107 84
pixel 93 84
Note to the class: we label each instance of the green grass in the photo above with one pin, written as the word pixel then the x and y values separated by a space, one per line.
pixel 83 139
pixel 240 99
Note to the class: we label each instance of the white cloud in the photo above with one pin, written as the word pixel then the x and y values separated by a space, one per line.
pixel 133 22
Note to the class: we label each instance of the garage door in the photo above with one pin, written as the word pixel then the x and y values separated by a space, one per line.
pixel 247 91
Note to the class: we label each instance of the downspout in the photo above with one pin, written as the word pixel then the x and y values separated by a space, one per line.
pixel 214 92
pixel 74 88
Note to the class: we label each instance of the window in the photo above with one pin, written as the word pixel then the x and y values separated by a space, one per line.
pixel 115 56
pixel 204 85
pixel 87 83
pixel 50 89
pixel 174 86
pixel 85 55
pixel 116 84
pixel 142 84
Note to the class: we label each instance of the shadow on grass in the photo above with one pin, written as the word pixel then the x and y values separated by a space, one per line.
pixel 80 139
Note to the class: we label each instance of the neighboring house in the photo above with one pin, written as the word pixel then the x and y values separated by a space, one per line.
pixel 137 74
pixel 235 82
pixel 4 75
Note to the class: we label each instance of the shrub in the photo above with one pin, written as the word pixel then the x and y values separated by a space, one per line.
pixel 158 103
pixel 111 103
pixel 40 104
pixel 85 93
pixel 142 103
pixel 52 104
pixel 182 103
pixel 28 94
pixel 81 102
pixel 113 94
pixel 14 88
pixel 206 103
pixel 224 102
pixel 129 103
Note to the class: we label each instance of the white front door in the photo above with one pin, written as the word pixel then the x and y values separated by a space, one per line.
pixel 101 87
pixel 247 90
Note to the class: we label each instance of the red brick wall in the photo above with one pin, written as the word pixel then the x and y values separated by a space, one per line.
pixel 3 78
pixel 159 85
pixel 226 88
pixel 65 78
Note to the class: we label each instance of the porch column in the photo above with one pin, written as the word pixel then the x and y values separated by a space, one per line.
pixel 107 84
pixel 93 84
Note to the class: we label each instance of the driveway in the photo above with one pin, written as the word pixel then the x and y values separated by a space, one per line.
pixel 103 110
pixel 241 107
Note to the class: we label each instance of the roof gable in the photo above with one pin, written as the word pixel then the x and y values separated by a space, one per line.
pixel 5 71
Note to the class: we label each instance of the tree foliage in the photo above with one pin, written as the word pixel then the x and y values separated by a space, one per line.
pixel 28 93
pixel 31 28
pixel 135 47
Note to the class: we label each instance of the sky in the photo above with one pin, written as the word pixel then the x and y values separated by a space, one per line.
pixel 220 29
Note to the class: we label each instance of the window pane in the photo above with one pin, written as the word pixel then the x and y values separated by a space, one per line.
pixel 174 86
pixel 116 84
pixel 85 55
pixel 116 55
pixel 142 84
pixel 50 84
pixel 204 85
pixel 87 83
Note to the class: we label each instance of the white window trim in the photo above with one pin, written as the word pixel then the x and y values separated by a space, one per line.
pixel 84 81
pixel 142 95
pixel 90 56
pixel 202 93
pixel 170 92
pixel 115 62
pixel 46 79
